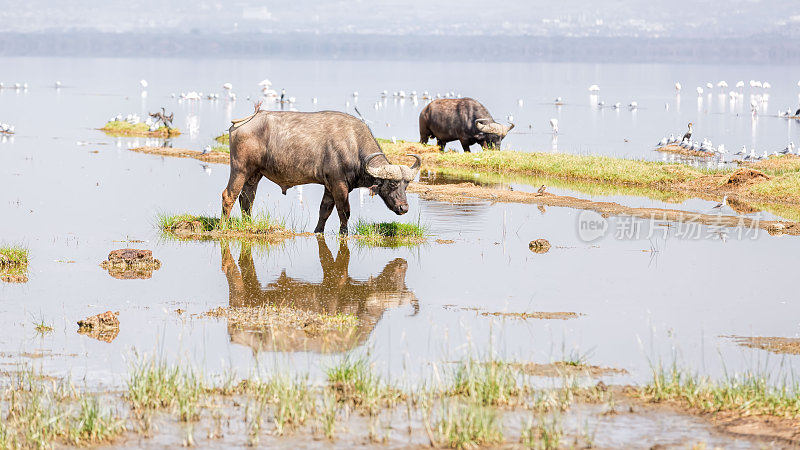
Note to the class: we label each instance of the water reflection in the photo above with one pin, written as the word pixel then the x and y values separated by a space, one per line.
pixel 337 293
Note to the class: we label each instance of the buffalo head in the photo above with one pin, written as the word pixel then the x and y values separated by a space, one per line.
pixel 391 181
pixel 492 131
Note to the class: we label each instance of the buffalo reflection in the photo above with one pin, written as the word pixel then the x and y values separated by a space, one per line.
pixel 337 293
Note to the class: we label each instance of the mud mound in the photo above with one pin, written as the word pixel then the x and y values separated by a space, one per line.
pixel 131 264
pixel 561 368
pixel 539 246
pixel 103 327
pixel 213 157
pixel 779 345
pixel 746 175
pixel 677 149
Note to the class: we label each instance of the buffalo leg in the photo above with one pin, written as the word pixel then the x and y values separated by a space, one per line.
pixel 229 194
pixel 248 195
pixel 441 144
pixel 340 192
pixel 325 209
pixel 465 144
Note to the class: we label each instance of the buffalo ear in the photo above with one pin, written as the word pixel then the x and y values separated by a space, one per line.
pixel 373 189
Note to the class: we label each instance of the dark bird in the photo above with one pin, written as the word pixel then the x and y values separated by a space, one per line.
pixel 541 190
pixel 163 117
pixel 797 113
pixel 688 135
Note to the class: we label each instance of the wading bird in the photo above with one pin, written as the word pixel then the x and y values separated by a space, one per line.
pixel 541 190
pixel 721 204
pixel 688 135
pixel 554 125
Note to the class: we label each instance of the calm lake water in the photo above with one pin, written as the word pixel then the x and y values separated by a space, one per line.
pixel 71 194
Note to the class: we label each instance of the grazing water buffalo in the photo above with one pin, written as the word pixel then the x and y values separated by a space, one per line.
pixel 462 119
pixel 329 148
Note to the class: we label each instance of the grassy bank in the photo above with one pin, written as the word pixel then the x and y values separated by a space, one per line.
pixel 123 128
pixel 747 394
pixel 782 184
pixel 561 165
pixel 389 234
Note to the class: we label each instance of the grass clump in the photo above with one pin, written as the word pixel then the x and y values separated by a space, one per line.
pixel 746 394
pixel 190 225
pixel 389 234
pixel 785 187
pixel 41 412
pixel 487 383
pixel 466 425
pixel 153 384
pixel 354 382
pixel 13 263
pixel 141 129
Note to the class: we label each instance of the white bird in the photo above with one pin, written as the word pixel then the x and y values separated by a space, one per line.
pixel 633 105
pixel 722 84
pixel 594 88
pixel 617 105
pixel 143 83
pixel 58 84
pixel 355 94
pixel 721 149
pixel 767 85
pixel 677 86
pixel 699 90
pixel 265 83
pixel 709 86
pixel 554 125
pixel 314 100
pixel 755 84
pixel 741 152
pixel 723 203
pixel 662 142
pixel 740 84
pixel 227 86
pixel 519 102
pixel 557 100
pixel 510 117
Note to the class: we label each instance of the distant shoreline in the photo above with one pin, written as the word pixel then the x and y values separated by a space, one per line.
pixel 745 50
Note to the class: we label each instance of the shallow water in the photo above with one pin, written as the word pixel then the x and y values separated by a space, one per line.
pixel 659 297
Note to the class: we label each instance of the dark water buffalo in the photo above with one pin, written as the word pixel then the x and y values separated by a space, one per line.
pixel 329 148
pixel 462 119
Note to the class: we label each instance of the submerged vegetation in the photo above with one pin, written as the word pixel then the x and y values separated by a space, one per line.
pixel 389 234
pixel 123 128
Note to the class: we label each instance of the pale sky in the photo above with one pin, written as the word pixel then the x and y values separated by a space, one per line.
pixel 687 18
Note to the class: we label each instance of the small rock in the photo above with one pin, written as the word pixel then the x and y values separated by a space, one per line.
pixel 103 327
pixel 539 246
pixel 131 263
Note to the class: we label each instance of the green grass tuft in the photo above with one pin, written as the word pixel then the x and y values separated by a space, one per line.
pixel 746 394
pixel 389 234
pixel 123 128
pixel 13 256
pixel 467 425
pixel 258 223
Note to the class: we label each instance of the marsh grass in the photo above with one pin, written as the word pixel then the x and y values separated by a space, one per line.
pixel 468 424
pixel 487 383
pixel 746 394
pixel 153 384
pixel 42 327
pixel 13 256
pixel 259 224
pixel 389 234
pixel 123 128
pixel 293 402
pixel 353 381
pixel 543 432
pixel 41 412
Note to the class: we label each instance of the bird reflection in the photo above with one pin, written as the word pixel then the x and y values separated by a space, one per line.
pixel 337 293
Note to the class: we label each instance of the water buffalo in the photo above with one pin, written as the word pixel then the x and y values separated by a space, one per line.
pixel 329 148
pixel 462 119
